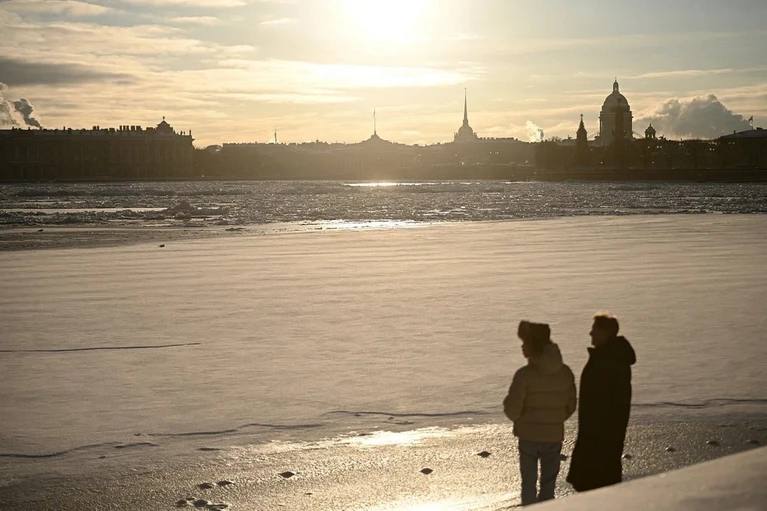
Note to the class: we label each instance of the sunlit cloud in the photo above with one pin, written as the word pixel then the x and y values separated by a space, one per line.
pixel 278 21
pixel 196 20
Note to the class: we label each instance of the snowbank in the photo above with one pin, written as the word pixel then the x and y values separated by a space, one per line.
pixel 734 482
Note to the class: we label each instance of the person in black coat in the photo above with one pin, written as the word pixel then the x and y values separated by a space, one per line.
pixel 604 404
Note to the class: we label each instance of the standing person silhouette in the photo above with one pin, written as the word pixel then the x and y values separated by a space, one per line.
pixel 541 397
pixel 603 408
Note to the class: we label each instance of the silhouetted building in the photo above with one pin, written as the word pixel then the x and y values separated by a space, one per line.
pixel 128 152
pixel 615 106
pixel 744 149
pixel 649 133
pixel 581 145
pixel 465 133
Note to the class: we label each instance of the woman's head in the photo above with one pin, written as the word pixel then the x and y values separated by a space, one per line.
pixel 534 337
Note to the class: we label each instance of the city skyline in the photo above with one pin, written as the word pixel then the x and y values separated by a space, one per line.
pixel 237 70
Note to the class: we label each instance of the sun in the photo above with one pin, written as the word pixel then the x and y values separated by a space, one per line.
pixel 387 22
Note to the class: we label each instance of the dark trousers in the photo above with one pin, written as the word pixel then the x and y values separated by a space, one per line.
pixel 530 453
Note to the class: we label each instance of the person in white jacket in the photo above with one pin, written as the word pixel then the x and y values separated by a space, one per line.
pixel 541 398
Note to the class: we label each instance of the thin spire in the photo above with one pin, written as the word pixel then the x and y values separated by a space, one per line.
pixel 465 108
pixel 375 130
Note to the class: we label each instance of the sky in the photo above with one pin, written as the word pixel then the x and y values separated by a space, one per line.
pixel 237 70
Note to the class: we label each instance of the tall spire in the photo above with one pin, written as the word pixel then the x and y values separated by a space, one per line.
pixel 465 108
pixel 615 85
pixel 375 131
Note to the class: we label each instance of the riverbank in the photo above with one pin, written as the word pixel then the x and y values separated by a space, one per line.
pixel 363 471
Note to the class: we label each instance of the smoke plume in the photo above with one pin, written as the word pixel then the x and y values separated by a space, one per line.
pixel 7 111
pixel 705 118
pixel 25 108
pixel 534 132
pixel 16 113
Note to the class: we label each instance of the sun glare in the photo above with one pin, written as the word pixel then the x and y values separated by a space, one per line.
pixel 389 22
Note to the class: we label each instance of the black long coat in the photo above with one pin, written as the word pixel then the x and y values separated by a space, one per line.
pixel 604 404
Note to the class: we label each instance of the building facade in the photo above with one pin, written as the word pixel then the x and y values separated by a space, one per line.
pixel 127 152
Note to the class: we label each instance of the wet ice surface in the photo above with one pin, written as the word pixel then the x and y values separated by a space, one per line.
pixel 240 203
pixel 377 471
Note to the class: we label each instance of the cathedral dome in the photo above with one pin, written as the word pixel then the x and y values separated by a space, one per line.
pixel 615 119
pixel 615 100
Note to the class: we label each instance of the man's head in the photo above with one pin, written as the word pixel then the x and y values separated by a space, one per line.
pixel 534 337
pixel 605 327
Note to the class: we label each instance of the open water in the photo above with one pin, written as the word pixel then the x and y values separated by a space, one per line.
pixel 261 202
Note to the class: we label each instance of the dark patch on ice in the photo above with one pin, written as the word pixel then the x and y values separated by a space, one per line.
pixel 712 443
pixel 287 474
pixel 136 444
pixel 410 414
pixel 116 445
pixel 236 429
pixel 225 482
pixel 426 471
pixel 206 486
pixel 209 449
pixel 95 348
pixel 483 454
pixel 707 403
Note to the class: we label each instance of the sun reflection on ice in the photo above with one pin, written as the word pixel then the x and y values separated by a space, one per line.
pixel 351 225
pixel 472 503
pixel 380 438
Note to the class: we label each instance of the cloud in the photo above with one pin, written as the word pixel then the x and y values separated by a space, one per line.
pixel 704 117
pixel 189 3
pixel 19 72
pixel 196 20
pixel 73 8
pixel 278 21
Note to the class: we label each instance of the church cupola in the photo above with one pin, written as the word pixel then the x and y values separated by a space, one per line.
pixel 649 133
pixel 581 145
pixel 581 133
